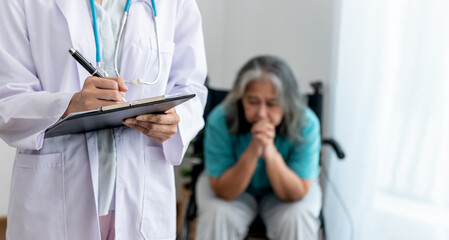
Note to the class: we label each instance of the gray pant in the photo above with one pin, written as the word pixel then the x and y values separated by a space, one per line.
pixel 229 220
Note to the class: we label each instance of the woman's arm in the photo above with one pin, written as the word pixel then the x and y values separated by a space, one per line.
pixel 235 180
pixel 291 178
pixel 286 184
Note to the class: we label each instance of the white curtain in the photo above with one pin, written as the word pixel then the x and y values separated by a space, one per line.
pixel 389 102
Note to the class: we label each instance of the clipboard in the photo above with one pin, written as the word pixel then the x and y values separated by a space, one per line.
pixel 113 115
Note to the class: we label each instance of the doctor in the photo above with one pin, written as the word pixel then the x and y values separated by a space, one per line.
pixel 57 182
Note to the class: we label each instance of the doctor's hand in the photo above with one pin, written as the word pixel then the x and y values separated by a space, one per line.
pixel 159 127
pixel 97 92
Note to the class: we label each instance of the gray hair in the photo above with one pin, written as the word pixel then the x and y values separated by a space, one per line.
pixel 287 91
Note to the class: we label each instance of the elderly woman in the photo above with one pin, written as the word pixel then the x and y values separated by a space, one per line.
pixel 262 149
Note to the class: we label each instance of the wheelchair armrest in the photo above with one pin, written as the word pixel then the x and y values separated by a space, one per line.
pixel 335 145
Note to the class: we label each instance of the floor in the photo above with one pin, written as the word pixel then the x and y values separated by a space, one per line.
pixel 2 228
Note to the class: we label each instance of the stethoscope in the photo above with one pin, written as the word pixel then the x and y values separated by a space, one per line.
pixel 117 46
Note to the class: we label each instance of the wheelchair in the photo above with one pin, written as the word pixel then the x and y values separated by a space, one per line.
pixel 257 228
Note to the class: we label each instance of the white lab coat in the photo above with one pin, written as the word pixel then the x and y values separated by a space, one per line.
pixel 55 180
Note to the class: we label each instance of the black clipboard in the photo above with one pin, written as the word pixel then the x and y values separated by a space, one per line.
pixel 113 115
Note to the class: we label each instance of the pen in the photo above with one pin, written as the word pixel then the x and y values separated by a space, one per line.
pixel 87 65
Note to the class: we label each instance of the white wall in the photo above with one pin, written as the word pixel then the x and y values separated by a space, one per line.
pixel 300 31
pixel 6 162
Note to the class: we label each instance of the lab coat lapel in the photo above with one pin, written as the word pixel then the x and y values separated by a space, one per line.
pixel 79 23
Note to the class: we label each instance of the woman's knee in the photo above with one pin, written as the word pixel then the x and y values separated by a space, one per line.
pixel 294 219
pixel 299 213
pixel 216 206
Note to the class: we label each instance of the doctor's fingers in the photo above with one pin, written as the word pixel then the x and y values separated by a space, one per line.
pixel 101 83
pixel 159 133
pixel 170 118
pixel 149 127
pixel 95 103
pixel 92 94
pixel 120 83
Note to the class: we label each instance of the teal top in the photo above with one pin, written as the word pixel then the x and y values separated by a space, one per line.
pixel 222 150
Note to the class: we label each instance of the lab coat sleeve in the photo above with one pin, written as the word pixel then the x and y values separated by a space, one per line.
pixel 188 73
pixel 26 111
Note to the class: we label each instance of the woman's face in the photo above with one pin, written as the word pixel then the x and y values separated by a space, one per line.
pixel 261 103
